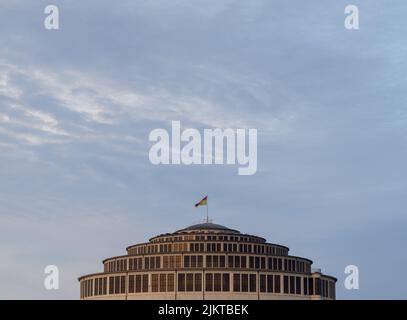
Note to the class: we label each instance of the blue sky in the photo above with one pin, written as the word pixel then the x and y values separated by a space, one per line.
pixel 77 105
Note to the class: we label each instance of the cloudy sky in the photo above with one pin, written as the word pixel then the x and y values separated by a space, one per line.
pixel 77 106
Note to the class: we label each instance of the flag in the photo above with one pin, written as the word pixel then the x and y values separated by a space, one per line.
pixel 203 202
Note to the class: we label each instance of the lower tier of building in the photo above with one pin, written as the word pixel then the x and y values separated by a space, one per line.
pixel 207 284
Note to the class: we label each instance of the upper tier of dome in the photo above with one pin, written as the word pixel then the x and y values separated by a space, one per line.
pixel 207 226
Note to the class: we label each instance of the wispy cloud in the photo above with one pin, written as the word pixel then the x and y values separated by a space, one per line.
pixel 98 101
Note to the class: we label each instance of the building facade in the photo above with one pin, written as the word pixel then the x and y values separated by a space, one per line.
pixel 207 261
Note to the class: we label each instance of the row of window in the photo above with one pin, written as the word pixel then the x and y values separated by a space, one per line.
pixel 162 282
pixel 171 262
pixel 100 286
pixel 208 261
pixel 117 285
pixel 266 249
pixel 188 282
pixel 214 282
pixel 138 283
pixel 86 288
pixel 208 238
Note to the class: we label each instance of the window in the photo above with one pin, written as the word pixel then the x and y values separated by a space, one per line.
pixel 209 261
pixel 269 283
pixel 245 283
pixel 326 288
pixel 190 282
pixel 305 284
pixel 186 261
pixel 217 282
pixel 209 282
pixel 292 284
pixel 131 284
pixel 85 288
pixel 277 284
pixel 236 282
pixel 222 261
pixel 145 282
pixel 181 282
pixel 332 296
pixel 163 282
pixel 90 286
pixel 177 262
pixel 263 263
pixel 200 262
pixel 198 282
pixel 243 262
pixel 318 286
pixel 253 284
pixel 166 262
pixel 270 263
pixel 257 262
pixel 170 282
pixel 96 287
pixel 310 286
pixel 237 261
pixel 225 282
pixel 131 264
pixel 215 261
pixel 263 283
pixel 116 285
pixel 193 261
pixel 285 284
pixel 297 285
pixel 104 286
pixel 230 262
pixel 154 283
pixel 251 262
pixel 138 283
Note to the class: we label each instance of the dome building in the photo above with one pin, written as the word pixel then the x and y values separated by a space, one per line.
pixel 207 261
